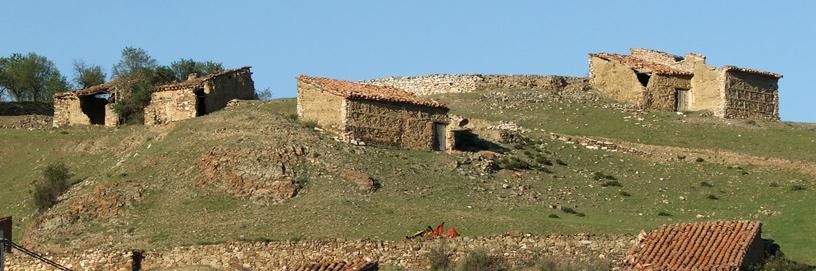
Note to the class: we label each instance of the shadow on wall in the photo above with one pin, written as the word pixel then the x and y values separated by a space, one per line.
pixel 26 108
pixel 466 140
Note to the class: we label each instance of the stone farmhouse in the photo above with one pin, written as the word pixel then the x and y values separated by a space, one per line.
pixel 92 105
pixel 377 115
pixel 198 96
pixel 721 245
pixel 657 80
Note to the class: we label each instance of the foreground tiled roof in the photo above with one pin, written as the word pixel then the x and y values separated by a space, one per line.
pixel 92 90
pixel 360 265
pixel 748 70
pixel 641 65
pixel 718 245
pixel 368 92
pixel 197 82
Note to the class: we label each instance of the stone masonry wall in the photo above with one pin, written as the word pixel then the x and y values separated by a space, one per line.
pixel 222 89
pixel 62 110
pixel 169 106
pixel 662 89
pixel 750 95
pixel 706 89
pixel 400 125
pixel 410 254
pixel 431 84
pixel 451 83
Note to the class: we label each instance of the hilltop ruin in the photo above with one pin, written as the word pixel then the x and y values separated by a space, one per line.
pixel 660 81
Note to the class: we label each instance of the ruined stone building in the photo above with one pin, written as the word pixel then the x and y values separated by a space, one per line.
pixel 377 115
pixel 92 105
pixel 656 80
pixel 198 96
pixel 719 245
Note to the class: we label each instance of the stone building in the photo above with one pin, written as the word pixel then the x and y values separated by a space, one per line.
pixel 720 245
pixel 660 81
pixel 92 105
pixel 198 96
pixel 377 115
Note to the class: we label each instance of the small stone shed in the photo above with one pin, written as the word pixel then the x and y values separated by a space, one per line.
pixel 92 105
pixel 378 115
pixel 198 96
pixel 719 245
pixel 657 80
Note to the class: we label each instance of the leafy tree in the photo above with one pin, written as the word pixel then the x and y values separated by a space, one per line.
pixel 136 74
pixel 30 77
pixel 183 67
pixel 134 60
pixel 264 94
pixel 88 75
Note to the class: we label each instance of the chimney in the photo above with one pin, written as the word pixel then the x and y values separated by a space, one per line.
pixel 192 76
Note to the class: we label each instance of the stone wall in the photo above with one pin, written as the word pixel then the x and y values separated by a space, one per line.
pixel 749 95
pixel 515 249
pixel 451 83
pixel 222 89
pixel 616 81
pixel 169 106
pixel 83 110
pixel 431 84
pixel 323 108
pixel 662 89
pixel 399 125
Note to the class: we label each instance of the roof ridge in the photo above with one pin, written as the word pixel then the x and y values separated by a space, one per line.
pixel 353 90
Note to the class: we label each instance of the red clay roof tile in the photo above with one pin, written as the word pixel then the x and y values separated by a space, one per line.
pixel 92 90
pixel 749 70
pixel 641 65
pixel 718 245
pixel 197 82
pixel 353 90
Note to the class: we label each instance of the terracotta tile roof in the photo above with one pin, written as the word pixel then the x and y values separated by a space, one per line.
pixel 92 90
pixel 197 82
pixel 720 245
pixel 353 90
pixel 360 265
pixel 747 70
pixel 641 65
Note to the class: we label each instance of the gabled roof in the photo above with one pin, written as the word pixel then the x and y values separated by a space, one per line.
pixel 198 82
pixel 748 70
pixel 720 245
pixel 641 65
pixel 353 90
pixel 92 90
pixel 361 265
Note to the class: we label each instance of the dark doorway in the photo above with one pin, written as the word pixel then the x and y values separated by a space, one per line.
pixel 201 103
pixel 643 78
pixel 682 98
pixel 439 136
pixel 93 106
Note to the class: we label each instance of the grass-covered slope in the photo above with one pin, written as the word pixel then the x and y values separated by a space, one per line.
pixel 177 202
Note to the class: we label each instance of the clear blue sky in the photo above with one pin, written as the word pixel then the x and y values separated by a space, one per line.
pixel 366 39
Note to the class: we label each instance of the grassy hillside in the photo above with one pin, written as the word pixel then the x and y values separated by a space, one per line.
pixel 568 189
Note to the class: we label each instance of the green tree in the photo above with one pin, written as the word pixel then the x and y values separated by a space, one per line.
pixel 134 60
pixel 137 73
pixel 55 181
pixel 30 77
pixel 183 67
pixel 88 75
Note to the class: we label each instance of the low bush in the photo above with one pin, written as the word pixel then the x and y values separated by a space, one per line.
pixel 440 258
pixel 549 264
pixel 712 197
pixel 55 181
pixel 611 183
pixel 513 163
pixel 797 187
pixel 480 261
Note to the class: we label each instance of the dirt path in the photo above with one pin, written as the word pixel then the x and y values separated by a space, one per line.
pixel 669 153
